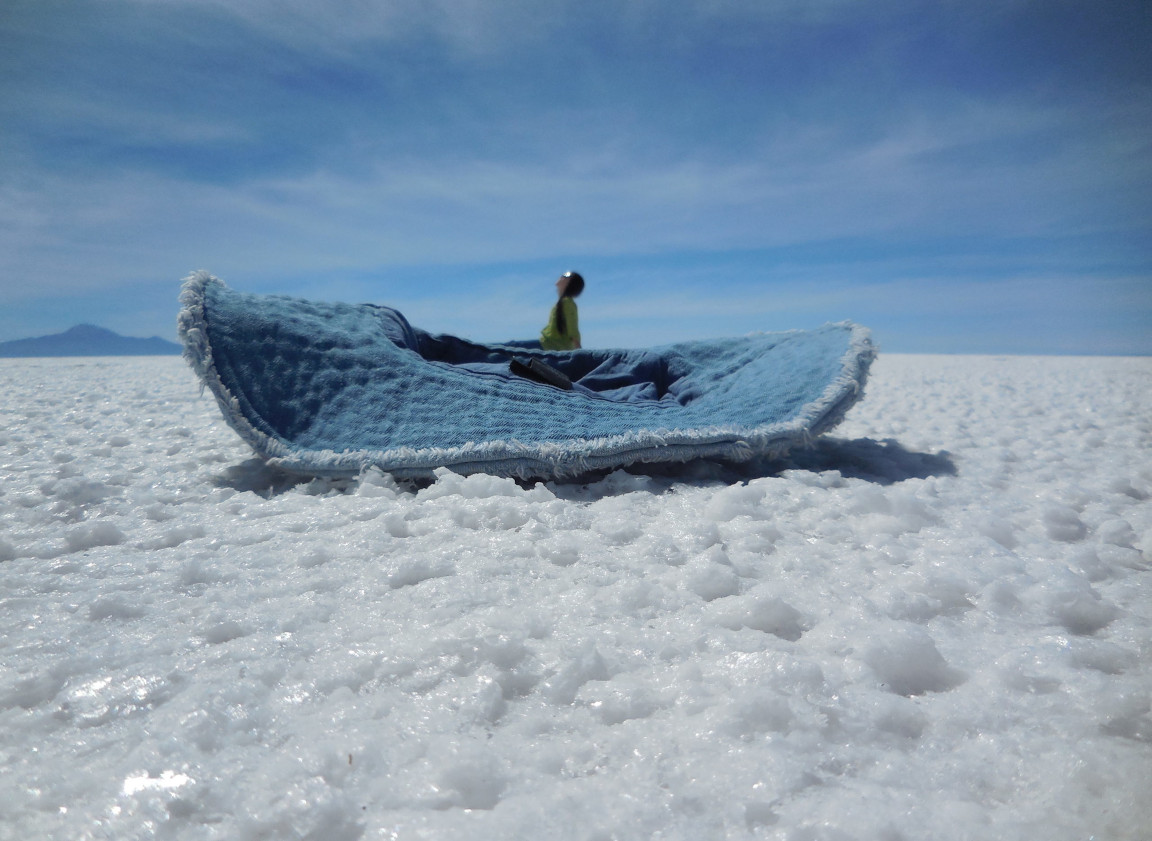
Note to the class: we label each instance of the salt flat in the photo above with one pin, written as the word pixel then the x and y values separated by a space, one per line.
pixel 933 624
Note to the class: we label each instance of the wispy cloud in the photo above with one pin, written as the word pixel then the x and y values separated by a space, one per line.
pixel 811 185
pixel 279 141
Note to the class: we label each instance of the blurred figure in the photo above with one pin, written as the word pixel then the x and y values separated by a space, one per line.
pixel 563 329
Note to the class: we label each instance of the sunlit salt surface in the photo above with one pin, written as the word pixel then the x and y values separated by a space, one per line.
pixel 933 625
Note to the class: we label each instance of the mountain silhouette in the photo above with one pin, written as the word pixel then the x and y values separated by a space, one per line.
pixel 88 340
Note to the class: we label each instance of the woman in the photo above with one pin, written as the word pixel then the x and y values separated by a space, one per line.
pixel 563 329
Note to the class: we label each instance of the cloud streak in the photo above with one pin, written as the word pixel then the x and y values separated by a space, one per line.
pixel 803 188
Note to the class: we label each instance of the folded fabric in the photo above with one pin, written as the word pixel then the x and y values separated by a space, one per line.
pixel 329 389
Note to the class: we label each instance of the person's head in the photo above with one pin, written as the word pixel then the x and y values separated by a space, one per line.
pixel 570 284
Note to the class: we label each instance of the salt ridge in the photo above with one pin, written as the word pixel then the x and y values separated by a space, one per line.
pixel 933 625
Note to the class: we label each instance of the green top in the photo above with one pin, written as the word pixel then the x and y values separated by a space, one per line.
pixel 551 338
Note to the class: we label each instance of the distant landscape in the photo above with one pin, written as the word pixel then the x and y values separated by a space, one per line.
pixel 88 340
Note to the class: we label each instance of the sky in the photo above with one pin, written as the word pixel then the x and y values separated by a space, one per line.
pixel 962 177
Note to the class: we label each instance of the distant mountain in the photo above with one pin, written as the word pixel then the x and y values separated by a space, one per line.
pixel 88 340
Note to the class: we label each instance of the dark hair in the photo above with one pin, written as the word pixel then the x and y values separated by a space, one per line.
pixel 573 289
pixel 575 284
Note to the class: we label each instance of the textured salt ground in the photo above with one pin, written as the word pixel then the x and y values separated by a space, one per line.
pixel 933 624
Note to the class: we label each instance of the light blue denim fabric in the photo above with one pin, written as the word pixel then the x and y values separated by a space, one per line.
pixel 332 389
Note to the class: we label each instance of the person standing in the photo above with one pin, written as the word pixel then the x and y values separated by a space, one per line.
pixel 563 329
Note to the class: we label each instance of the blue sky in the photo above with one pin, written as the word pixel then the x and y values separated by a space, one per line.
pixel 971 177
